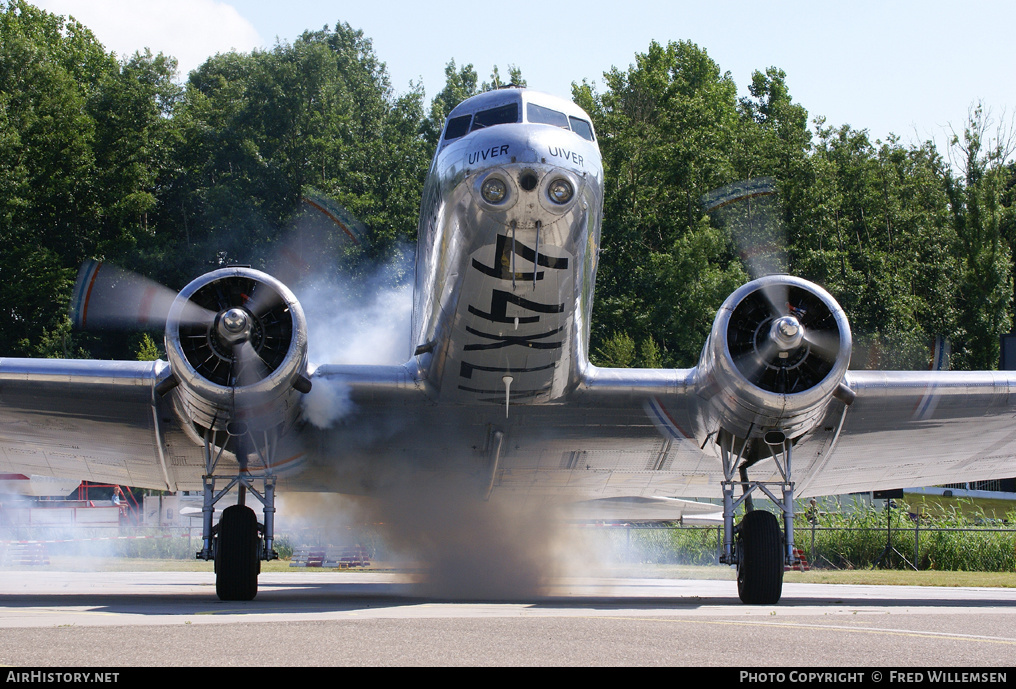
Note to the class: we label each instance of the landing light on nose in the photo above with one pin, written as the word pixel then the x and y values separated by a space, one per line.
pixel 560 191
pixel 493 190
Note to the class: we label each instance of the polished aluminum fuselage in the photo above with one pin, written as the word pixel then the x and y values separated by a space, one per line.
pixel 505 290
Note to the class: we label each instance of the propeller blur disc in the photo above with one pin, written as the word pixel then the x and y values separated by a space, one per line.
pixel 783 338
pixel 109 297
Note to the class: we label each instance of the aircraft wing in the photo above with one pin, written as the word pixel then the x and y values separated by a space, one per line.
pixel 106 421
pixel 625 433
pixel 642 433
pixel 91 420
pixel 918 428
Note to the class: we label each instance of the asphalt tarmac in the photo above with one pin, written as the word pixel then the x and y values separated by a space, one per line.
pixel 149 619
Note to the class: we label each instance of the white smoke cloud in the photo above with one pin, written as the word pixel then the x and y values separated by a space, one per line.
pixel 355 321
pixel 327 402
pixel 345 329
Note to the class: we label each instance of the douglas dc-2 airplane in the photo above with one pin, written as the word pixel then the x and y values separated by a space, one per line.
pixel 499 388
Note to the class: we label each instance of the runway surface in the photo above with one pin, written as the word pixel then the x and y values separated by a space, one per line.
pixel 377 619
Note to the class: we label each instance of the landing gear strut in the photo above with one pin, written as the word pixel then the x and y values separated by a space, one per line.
pixel 238 543
pixel 756 545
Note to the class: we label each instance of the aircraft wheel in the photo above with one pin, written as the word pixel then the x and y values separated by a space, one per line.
pixel 237 564
pixel 760 559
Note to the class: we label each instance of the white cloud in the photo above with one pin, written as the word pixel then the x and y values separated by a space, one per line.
pixel 189 30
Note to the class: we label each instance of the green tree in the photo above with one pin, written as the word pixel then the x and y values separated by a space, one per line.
pixel 79 157
pixel 773 140
pixel 980 199
pixel 666 128
pixel 257 129
pixel 618 351
pixel 147 350
pixel 870 223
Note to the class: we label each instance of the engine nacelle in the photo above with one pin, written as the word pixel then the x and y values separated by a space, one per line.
pixel 236 340
pixel 777 354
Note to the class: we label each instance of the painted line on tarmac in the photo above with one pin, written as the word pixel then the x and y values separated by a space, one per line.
pixel 830 627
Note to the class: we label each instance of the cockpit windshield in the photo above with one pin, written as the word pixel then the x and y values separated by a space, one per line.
pixel 503 114
pixel 581 127
pixel 538 114
pixel 457 126
pixel 461 125
pixel 541 115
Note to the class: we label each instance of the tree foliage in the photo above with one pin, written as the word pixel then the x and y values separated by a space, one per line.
pixel 82 142
pixel 256 129
pixel 980 197
pixel 910 248
pixel 666 127
pixel 110 159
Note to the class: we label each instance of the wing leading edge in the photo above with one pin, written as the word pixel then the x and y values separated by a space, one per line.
pixel 91 420
pixel 919 428
pixel 903 429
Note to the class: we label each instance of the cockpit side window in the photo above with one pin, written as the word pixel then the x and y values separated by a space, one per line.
pixel 504 114
pixel 581 127
pixel 541 115
pixel 457 126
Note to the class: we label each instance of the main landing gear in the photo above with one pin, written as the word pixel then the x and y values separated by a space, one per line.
pixel 237 554
pixel 756 545
pixel 238 543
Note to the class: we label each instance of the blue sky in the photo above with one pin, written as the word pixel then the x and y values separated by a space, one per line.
pixel 912 68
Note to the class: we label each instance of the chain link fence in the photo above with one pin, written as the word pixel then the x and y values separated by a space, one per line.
pixel 908 543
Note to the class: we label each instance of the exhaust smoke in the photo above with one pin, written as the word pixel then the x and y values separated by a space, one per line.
pixel 436 523
pixel 456 545
pixel 358 322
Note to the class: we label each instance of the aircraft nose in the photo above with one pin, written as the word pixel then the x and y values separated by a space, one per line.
pixel 526 188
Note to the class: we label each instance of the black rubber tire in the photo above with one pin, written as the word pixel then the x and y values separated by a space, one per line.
pixel 760 559
pixel 236 554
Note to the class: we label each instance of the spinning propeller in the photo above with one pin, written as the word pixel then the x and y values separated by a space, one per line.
pixel 751 211
pixel 234 330
pixel 106 296
pixel 783 338
pixel 247 336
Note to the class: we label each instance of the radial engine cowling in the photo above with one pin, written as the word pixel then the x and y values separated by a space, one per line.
pixel 236 340
pixel 777 354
